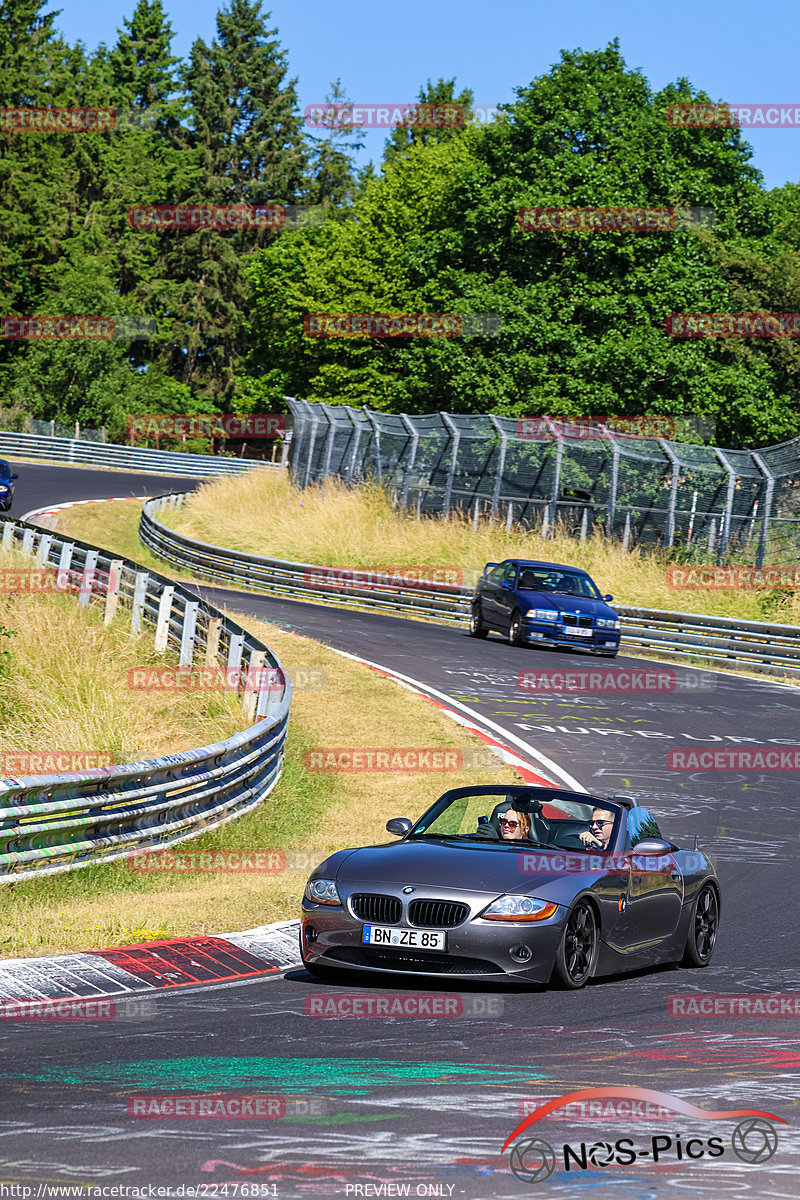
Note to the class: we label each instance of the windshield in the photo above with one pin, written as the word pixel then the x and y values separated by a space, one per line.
pixel 528 815
pixel 5 470
pixel 565 583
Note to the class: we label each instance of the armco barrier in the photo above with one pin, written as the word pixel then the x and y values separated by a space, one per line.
pixel 767 648
pixel 124 458
pixel 56 823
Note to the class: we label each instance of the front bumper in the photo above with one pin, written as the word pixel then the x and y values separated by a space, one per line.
pixel 539 634
pixel 476 949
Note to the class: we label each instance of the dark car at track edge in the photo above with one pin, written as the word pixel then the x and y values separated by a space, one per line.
pixel 454 898
pixel 7 478
pixel 544 604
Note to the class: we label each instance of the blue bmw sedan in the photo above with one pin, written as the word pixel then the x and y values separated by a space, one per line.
pixel 7 477
pixel 544 604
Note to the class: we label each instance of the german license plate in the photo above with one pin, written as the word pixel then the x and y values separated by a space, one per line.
pixel 408 939
pixel 576 631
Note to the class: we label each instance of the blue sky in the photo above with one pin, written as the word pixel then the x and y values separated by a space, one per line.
pixel 384 51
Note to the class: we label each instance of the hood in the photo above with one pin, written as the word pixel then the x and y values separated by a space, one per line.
pixel 476 867
pixel 568 604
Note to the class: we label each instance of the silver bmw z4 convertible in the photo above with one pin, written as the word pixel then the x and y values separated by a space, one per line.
pixel 513 884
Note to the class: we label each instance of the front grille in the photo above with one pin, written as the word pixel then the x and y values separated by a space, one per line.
pixel 437 914
pixel 389 960
pixel 572 619
pixel 384 910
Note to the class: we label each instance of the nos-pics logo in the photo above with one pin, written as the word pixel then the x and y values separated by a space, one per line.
pixel 754 1140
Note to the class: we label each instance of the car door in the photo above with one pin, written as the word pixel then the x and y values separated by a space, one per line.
pixel 507 596
pixel 654 900
pixel 490 590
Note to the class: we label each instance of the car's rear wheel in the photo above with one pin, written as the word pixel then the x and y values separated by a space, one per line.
pixel 576 956
pixel 515 628
pixel 702 928
pixel 476 626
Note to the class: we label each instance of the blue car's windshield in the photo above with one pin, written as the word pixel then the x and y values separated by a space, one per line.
pixel 564 583
pixel 5 470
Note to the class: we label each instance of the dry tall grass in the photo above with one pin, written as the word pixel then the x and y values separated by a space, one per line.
pixel 334 525
pixel 66 688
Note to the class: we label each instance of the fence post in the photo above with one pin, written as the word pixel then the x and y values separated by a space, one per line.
pixel 252 683
pixel 64 561
pixel 584 523
pixel 376 429
pixel 766 511
pixel 188 632
pixel 87 578
pixel 612 488
pixel 509 516
pixel 501 465
pixel 164 614
pixel 673 490
pixel 712 535
pixel 411 459
pixel 626 537
pixel 139 593
pixel 456 436
pixel 212 640
pixel 43 552
pixel 112 594
pixel 235 649
pixel 556 479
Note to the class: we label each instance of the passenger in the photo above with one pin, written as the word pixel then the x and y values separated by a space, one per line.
pixel 599 835
pixel 514 826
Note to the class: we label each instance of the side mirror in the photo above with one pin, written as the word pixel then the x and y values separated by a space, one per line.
pixel 608 598
pixel 399 826
pixel 652 846
pixel 488 568
pixel 15 476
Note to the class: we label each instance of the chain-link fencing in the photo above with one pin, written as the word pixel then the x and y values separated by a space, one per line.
pixel 545 473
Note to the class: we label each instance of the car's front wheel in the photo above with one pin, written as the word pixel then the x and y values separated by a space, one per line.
pixel 576 956
pixel 515 628
pixel 476 627
pixel 702 929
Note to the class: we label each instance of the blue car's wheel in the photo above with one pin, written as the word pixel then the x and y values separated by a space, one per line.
pixel 576 956
pixel 476 627
pixel 515 628
pixel 702 929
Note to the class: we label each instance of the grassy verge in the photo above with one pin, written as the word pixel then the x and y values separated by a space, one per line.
pixel 338 526
pixel 310 811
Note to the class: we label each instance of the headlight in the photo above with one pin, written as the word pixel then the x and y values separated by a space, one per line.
pixel 607 623
pixel 542 614
pixel 322 891
pixel 4 487
pixel 519 908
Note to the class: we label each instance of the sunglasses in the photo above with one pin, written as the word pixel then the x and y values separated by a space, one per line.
pixel 602 822
pixel 511 824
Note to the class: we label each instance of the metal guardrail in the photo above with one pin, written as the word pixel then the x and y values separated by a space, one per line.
pixel 126 458
pixel 768 648
pixel 55 823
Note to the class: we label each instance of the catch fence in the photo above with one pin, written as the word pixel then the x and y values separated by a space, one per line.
pixel 717 504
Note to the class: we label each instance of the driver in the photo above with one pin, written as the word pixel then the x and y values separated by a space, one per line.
pixel 599 833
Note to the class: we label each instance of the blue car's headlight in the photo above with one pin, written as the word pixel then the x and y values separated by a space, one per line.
pixel 5 487
pixel 607 623
pixel 322 891
pixel 542 614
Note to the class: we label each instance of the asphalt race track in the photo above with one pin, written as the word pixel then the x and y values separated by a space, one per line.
pixel 422 1106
